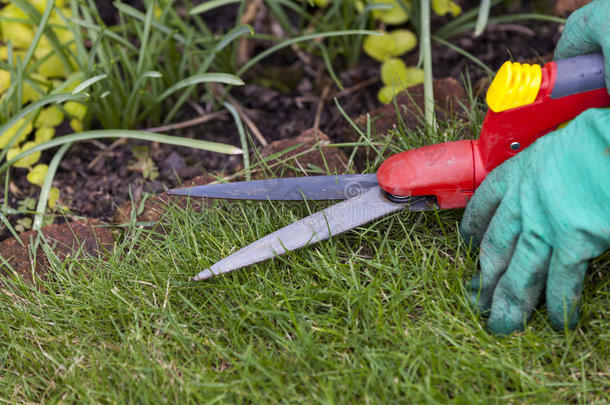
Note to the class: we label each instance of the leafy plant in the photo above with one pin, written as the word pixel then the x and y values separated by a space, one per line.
pixel 48 75
pixel 143 163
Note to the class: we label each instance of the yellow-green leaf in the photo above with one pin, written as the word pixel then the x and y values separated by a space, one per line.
pixel 26 161
pixel 20 35
pixel 6 137
pixel 442 7
pixel 386 94
pixel 44 134
pixel 77 125
pixel 29 94
pixel 49 117
pixel 75 110
pixel 397 76
pixel 394 72
pixel 404 41
pixel 5 80
pixel 53 197
pixel 379 47
pixel 42 4
pixel 37 174
pixel 394 16
pixel 385 46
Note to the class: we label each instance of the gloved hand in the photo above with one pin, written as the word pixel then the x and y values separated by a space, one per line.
pixel 539 217
pixel 587 31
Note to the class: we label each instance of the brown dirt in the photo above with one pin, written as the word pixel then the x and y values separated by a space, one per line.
pixel 89 237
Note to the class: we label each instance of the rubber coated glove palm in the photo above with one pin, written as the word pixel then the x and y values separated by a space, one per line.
pixel 587 31
pixel 539 218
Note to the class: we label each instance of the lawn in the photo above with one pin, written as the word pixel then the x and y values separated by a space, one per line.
pixel 377 315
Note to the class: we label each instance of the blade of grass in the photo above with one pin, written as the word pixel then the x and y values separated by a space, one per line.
pixel 281 16
pixel 455 26
pixel 43 199
pixel 482 17
pixel 302 38
pixel 242 137
pixel 104 32
pixel 448 33
pixel 329 65
pixel 39 32
pixel 526 16
pixel 210 5
pixel 145 37
pixel 461 51
pixel 88 83
pixel 131 106
pixel 201 78
pixel 132 12
pixel 121 133
pixel 296 8
pixel 426 51
pixel 12 230
pixel 224 41
pixel 6 207
pixel 81 50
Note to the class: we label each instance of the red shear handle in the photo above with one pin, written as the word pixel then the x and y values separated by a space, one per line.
pixel 451 171
pixel 444 170
pixel 568 87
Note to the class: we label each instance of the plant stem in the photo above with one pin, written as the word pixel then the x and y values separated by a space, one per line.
pixel 426 50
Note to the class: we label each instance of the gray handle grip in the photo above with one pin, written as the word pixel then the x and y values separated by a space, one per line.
pixel 579 74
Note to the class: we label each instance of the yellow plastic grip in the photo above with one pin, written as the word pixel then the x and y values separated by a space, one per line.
pixel 515 85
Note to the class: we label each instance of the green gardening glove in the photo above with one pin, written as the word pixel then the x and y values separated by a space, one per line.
pixel 539 218
pixel 587 31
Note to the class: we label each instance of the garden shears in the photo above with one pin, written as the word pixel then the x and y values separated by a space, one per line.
pixel 526 101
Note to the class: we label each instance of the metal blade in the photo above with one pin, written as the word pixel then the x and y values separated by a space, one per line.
pixel 337 187
pixel 317 227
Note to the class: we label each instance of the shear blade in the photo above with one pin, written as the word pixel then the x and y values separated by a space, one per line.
pixel 338 187
pixel 331 221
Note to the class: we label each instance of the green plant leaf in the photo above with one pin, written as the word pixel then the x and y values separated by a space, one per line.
pixel 47 183
pixel 30 108
pixel 123 133
pixel 242 137
pixel 132 12
pixel 302 38
pixel 482 17
pixel 394 16
pixel 201 78
pixel 461 51
pixel 210 5
pixel 426 52
pixel 442 7
pixel 88 83
pixel 232 35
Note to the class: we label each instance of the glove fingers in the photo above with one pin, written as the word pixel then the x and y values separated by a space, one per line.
pixel 519 289
pixel 586 31
pixel 577 37
pixel 483 204
pixel 563 290
pixel 497 248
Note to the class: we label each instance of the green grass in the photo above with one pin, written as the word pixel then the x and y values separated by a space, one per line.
pixel 377 315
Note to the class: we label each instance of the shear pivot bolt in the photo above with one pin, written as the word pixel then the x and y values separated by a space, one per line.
pixel 515 146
